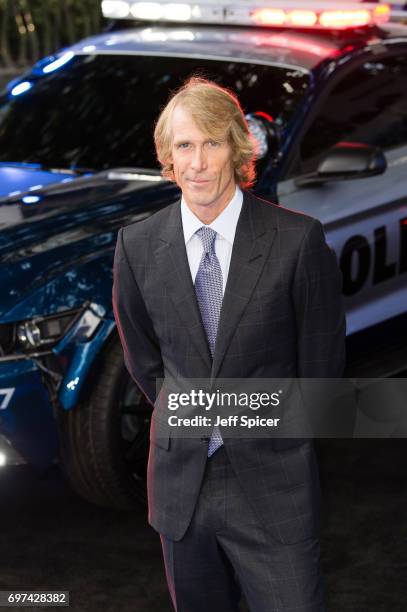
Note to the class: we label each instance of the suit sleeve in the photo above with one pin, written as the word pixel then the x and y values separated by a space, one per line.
pixel 319 308
pixel 141 349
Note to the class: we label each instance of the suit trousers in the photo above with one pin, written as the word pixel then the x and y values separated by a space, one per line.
pixel 226 551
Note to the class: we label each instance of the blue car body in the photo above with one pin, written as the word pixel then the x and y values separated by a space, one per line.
pixel 69 272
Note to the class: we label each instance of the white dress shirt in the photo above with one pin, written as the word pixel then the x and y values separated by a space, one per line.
pixel 225 227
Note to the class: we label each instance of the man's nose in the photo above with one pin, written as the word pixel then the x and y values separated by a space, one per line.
pixel 199 161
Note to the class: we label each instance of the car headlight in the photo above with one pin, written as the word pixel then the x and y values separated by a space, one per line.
pixel 44 332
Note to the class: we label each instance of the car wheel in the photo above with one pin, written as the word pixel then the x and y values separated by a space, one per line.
pixel 104 440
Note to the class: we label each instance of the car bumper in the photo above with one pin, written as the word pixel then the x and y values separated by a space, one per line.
pixel 26 413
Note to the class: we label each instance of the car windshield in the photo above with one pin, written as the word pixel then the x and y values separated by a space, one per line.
pixel 98 111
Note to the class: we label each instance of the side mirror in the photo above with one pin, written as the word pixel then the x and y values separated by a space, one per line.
pixel 346 160
pixel 264 131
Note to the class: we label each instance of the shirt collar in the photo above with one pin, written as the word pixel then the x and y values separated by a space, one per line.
pixel 225 224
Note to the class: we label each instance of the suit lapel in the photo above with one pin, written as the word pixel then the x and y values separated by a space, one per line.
pixel 172 261
pixel 251 245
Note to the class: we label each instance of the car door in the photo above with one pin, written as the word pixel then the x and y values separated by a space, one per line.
pixel 365 219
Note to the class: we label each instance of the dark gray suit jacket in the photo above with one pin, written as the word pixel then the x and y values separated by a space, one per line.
pixel 282 316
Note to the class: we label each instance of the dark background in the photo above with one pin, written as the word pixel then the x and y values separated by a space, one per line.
pixel 32 29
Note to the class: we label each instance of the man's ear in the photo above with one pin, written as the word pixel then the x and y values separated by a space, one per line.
pixel 168 170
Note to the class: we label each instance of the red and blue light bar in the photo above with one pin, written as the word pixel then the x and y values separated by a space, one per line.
pixel 287 14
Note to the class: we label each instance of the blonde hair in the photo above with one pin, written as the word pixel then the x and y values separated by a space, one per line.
pixel 217 113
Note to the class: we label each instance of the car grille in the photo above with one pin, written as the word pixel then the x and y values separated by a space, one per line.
pixel 7 339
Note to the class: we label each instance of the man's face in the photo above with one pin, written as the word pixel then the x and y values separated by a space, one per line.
pixel 203 168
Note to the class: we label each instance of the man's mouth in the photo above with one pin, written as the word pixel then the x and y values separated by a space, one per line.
pixel 199 181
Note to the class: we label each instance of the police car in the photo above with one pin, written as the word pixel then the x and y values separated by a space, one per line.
pixel 324 88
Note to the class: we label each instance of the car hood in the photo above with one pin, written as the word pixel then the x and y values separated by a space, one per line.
pixel 69 224
pixel 19 178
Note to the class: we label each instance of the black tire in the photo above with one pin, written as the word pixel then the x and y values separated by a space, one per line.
pixel 104 440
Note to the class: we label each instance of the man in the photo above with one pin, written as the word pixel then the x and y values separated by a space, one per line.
pixel 225 285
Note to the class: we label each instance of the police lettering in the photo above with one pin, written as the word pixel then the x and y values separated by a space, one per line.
pixel 357 258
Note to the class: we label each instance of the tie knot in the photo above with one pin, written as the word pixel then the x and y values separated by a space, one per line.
pixel 207 236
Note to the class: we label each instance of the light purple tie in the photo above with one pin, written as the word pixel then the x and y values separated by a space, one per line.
pixel 209 293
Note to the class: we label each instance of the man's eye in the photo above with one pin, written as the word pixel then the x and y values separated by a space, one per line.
pixel 183 145
pixel 213 143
